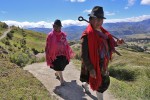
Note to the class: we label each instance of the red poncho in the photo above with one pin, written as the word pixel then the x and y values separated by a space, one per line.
pixel 53 48
pixel 94 42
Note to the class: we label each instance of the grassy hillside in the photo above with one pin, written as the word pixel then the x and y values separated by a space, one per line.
pixel 20 47
pixel 17 84
pixel 130 77
pixel 23 45
pixel 140 40
pixel 3 27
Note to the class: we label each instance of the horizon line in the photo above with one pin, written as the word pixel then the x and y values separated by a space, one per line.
pixel 66 23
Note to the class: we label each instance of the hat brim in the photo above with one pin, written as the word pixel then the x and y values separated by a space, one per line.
pixel 91 15
pixel 58 25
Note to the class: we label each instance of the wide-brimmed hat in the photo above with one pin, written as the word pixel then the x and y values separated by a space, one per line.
pixel 97 12
pixel 57 22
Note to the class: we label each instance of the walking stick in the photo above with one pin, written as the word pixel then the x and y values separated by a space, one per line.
pixel 80 18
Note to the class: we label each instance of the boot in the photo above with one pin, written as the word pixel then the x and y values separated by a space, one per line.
pixel 99 95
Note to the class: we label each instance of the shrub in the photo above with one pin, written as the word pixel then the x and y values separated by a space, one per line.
pixel 12 31
pixel 21 59
pixel 78 56
pixel 5 41
pixel 123 73
pixel 10 35
pixel 35 51
pixel 3 25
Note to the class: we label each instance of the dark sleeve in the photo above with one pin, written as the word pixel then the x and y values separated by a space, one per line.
pixel 85 53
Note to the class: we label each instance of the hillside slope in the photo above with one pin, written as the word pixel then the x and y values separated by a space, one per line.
pixel 130 75
pixel 22 45
pixel 17 84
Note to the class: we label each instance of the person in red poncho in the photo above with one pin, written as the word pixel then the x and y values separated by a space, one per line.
pixel 58 51
pixel 97 47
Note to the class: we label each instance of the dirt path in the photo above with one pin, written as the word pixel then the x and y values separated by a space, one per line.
pixel 5 33
pixel 71 91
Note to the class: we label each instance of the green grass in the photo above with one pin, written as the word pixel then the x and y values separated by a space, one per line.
pixel 17 84
pixel 36 40
pixel 130 75
pixel 2 30
pixel 24 42
pixel 77 59
pixel 33 39
pixel 77 63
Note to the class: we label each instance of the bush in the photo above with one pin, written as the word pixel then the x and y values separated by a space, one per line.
pixel 21 59
pixel 10 35
pixel 3 25
pixel 35 51
pixel 137 48
pixel 123 73
pixel 78 56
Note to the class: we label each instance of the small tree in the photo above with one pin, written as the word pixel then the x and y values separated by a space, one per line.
pixel 10 35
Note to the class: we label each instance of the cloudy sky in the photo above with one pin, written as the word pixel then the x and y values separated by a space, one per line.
pixel 42 13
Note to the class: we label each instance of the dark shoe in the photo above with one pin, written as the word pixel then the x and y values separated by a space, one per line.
pixel 63 83
pixel 57 77
pixel 86 89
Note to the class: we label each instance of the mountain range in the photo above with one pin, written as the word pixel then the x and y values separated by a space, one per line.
pixel 119 29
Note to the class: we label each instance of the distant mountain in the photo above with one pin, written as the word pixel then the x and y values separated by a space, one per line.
pixel 41 30
pixel 128 28
pixel 119 29
pixel 73 32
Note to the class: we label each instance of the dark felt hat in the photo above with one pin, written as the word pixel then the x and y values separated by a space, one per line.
pixel 57 22
pixel 97 12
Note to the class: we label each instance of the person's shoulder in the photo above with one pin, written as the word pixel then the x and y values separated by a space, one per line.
pixel 50 33
pixel 64 34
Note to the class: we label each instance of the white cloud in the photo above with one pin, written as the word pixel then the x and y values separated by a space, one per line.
pixel 87 11
pixel 109 13
pixel 130 3
pixel 145 2
pixel 77 0
pixel 28 24
pixel 43 24
pixel 126 7
pixel 132 19
pixel 66 23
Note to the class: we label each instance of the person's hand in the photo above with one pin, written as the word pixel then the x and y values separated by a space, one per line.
pixel 93 73
pixel 120 41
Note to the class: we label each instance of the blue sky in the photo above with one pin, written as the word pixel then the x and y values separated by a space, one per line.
pixel 42 13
